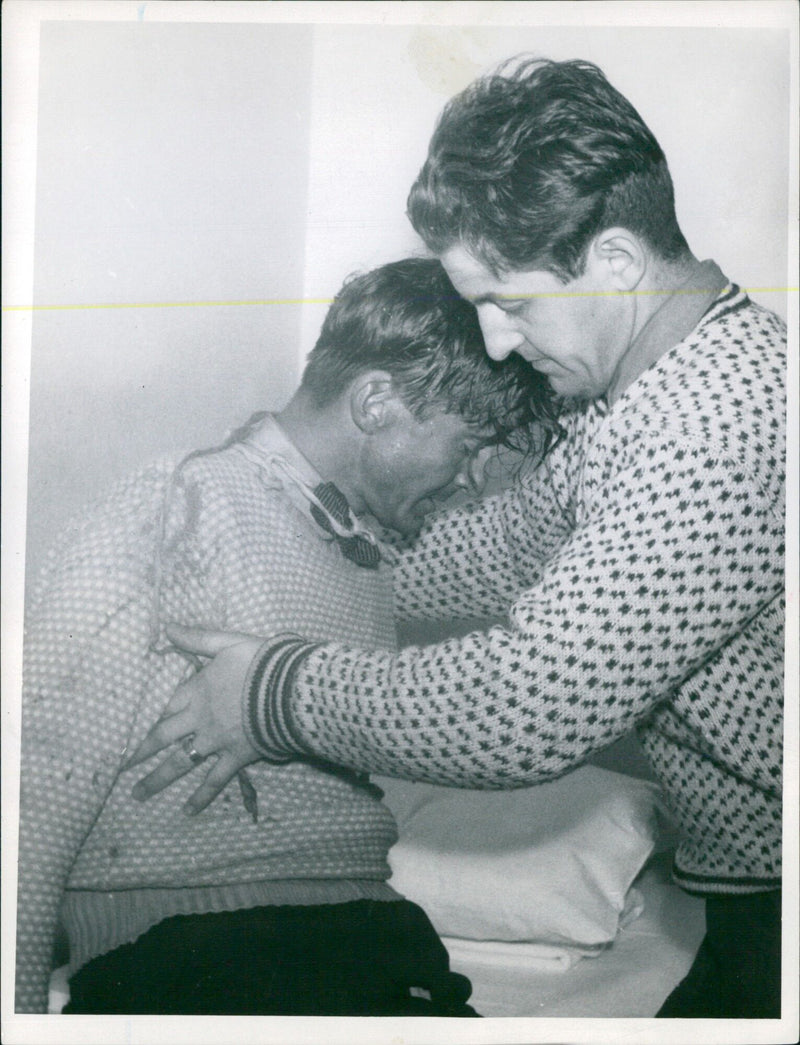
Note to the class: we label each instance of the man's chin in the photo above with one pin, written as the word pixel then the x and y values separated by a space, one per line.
pixel 410 523
pixel 393 529
pixel 409 530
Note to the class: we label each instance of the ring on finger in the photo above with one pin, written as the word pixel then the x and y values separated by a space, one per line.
pixel 194 755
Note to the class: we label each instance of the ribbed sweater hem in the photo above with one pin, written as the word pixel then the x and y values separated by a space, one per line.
pixel 98 922
pixel 705 885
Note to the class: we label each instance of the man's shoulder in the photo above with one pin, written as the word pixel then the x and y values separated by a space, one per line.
pixel 735 303
pixel 720 393
pixel 736 321
pixel 732 366
pixel 227 497
pixel 734 363
pixel 170 486
pixel 127 497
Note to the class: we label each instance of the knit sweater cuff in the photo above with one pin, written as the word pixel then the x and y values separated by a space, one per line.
pixel 267 696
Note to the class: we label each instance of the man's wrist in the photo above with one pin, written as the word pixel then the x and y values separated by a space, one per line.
pixel 266 710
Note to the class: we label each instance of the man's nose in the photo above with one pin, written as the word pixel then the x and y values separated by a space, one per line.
pixel 499 333
pixel 472 476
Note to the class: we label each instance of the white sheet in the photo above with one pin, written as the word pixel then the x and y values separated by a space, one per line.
pixel 632 977
pixel 566 853
pixel 535 956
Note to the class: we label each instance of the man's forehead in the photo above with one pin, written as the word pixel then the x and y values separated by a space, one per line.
pixel 464 268
pixel 445 418
pixel 476 282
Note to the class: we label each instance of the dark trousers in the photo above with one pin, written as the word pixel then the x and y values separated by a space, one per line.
pixel 737 971
pixel 351 959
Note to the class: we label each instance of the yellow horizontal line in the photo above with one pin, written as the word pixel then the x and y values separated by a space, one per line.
pixel 632 293
pixel 328 301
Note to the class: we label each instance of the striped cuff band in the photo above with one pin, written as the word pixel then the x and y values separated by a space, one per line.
pixel 267 695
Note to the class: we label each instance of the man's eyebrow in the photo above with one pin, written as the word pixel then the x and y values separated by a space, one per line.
pixel 481 299
pixel 495 298
pixel 482 437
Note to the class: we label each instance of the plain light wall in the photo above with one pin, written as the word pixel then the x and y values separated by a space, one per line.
pixel 717 100
pixel 249 162
pixel 171 175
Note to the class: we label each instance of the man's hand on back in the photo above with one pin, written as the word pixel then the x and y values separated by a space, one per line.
pixel 205 712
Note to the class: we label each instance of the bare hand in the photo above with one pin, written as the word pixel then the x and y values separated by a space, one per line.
pixel 207 708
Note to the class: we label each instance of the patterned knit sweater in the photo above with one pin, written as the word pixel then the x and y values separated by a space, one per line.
pixel 238 550
pixel 640 569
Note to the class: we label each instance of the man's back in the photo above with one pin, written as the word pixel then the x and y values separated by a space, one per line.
pixel 218 542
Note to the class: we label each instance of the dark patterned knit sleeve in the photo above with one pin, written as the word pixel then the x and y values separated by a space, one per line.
pixel 468 562
pixel 676 555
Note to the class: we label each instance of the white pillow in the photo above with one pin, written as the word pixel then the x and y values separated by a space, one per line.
pixel 547 864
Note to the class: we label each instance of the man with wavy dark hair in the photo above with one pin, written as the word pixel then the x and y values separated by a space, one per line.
pixel 527 166
pixel 639 571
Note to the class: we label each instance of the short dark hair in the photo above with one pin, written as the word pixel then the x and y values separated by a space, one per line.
pixel 532 161
pixel 406 318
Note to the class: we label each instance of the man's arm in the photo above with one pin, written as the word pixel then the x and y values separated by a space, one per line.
pixel 663 575
pixel 469 562
pixel 670 566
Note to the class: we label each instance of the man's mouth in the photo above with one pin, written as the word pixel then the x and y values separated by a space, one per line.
pixel 435 502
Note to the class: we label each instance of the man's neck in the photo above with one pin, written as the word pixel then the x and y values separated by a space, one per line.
pixel 321 436
pixel 670 302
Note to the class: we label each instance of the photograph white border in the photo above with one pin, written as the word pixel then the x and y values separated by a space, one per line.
pixel 22 19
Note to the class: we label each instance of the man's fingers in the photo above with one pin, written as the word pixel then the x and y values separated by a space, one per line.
pixel 220 774
pixel 164 733
pixel 171 769
pixel 199 640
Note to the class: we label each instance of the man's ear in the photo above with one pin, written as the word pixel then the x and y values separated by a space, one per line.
pixel 373 401
pixel 618 258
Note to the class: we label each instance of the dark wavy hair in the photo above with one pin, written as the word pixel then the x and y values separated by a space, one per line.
pixel 532 161
pixel 406 318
